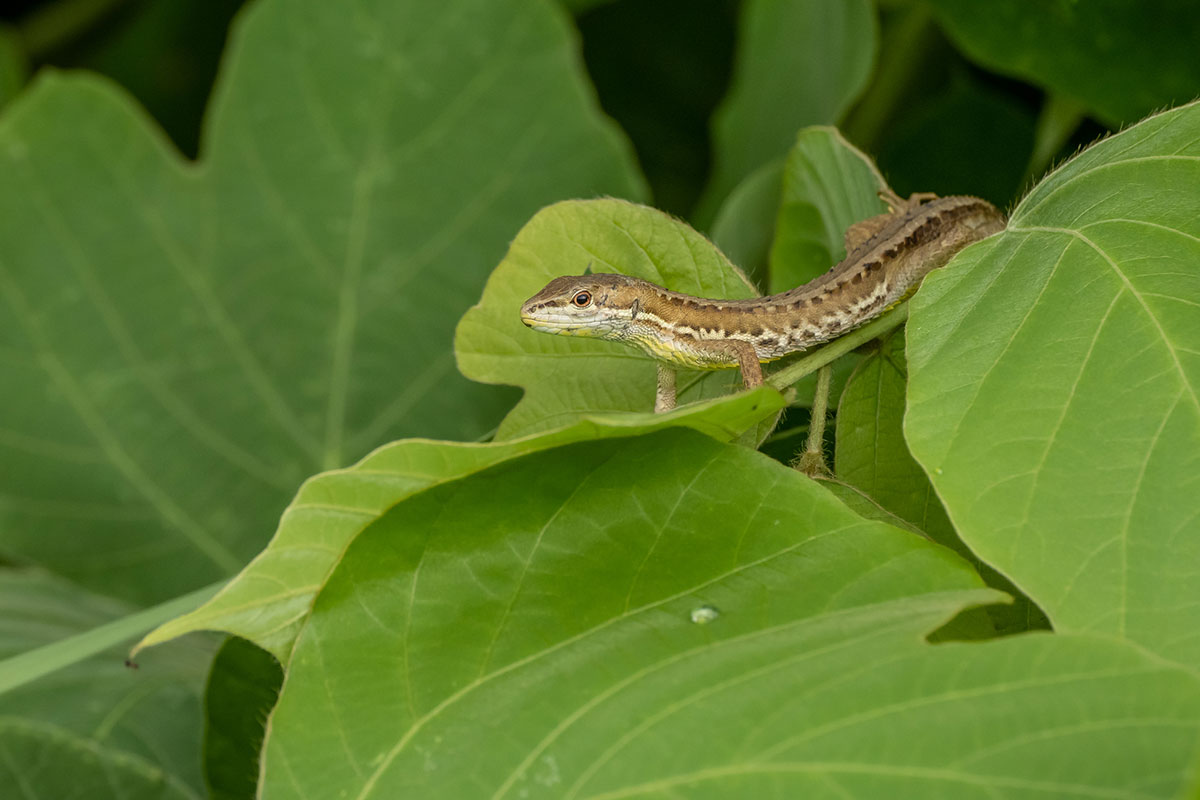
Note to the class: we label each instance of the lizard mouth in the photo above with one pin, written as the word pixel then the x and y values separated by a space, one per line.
pixel 562 327
pixel 545 325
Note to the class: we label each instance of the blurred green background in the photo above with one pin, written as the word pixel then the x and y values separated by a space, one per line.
pixel 933 120
pixel 962 97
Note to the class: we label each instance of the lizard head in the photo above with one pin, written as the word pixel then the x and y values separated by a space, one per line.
pixel 601 306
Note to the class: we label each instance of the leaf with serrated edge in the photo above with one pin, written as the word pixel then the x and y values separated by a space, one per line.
pixel 1054 384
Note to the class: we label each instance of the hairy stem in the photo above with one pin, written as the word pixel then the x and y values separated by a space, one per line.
pixel 812 460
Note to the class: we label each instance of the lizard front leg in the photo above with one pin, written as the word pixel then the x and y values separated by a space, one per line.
pixel 748 362
pixel 664 395
pixel 743 352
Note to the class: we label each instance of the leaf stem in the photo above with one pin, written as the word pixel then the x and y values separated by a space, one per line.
pixel 786 433
pixel 812 460
pixel 33 664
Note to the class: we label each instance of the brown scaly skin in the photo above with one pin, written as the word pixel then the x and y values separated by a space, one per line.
pixel 887 257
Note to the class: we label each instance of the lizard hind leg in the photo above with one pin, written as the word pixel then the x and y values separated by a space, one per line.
pixel 900 204
pixel 894 201
pixel 861 232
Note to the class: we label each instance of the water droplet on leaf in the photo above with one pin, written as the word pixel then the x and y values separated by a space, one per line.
pixel 702 615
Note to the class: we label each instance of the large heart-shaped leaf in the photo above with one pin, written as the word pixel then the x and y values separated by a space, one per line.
pixel 671 616
pixel 195 341
pixel 1055 390
pixel 567 377
pixel 271 599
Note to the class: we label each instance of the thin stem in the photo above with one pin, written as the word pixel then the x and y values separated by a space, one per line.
pixel 812 461
pixel 787 433
pixel 32 664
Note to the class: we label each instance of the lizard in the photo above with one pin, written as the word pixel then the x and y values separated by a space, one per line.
pixel 887 256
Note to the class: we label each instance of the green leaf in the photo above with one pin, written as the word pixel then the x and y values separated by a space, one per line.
pixel 271 599
pixel 1054 389
pixel 873 457
pixel 670 616
pixel 969 138
pixel 1123 60
pixel 567 377
pixel 86 710
pixel 828 185
pixel 242 687
pixel 866 506
pixel 41 658
pixel 871 452
pixel 745 224
pixel 798 63
pixel 572 572
pixel 14 67
pixel 40 761
pixel 163 53
pixel 195 341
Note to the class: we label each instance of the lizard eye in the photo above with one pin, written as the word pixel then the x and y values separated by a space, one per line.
pixel 582 299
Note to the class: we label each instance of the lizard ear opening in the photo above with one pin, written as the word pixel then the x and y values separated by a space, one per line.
pixel 635 308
